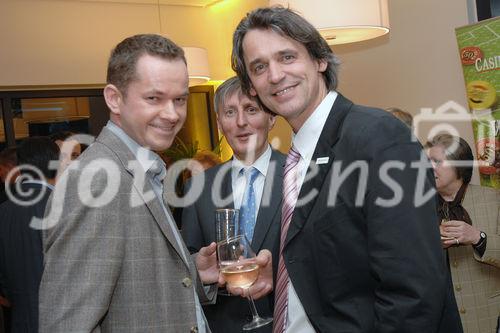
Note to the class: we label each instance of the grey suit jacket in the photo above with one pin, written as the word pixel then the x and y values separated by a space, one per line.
pixel 230 313
pixel 112 263
pixel 476 280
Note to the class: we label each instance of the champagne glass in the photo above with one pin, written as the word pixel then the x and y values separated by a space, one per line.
pixel 239 267
pixel 226 226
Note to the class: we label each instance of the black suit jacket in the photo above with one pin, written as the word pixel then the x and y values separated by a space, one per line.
pixel 21 257
pixel 230 313
pixel 366 268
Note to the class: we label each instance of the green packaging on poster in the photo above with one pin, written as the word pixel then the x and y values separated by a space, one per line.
pixel 479 49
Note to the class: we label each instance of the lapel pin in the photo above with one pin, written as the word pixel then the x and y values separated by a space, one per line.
pixel 322 160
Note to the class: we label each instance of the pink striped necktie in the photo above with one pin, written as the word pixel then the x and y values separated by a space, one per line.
pixel 290 195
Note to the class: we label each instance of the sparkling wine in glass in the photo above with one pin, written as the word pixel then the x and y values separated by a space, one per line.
pixel 238 265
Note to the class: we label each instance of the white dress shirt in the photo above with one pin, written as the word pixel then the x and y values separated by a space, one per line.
pixel 239 180
pixel 305 141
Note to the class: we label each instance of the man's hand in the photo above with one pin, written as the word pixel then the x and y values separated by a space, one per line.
pixel 459 233
pixel 206 263
pixel 264 283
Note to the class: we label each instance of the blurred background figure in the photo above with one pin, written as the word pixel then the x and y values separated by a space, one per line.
pixel 8 162
pixel 21 256
pixel 470 218
pixel 404 116
pixel 206 159
pixel 200 162
pixel 70 149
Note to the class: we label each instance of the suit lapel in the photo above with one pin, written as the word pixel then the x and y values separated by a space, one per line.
pixel 227 187
pixel 270 204
pixel 151 201
pixel 324 148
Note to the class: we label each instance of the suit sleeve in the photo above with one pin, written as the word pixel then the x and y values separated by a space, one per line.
pixel 83 257
pixel 491 255
pixel 403 244
pixel 191 228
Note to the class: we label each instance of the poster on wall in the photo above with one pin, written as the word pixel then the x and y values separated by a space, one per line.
pixel 479 46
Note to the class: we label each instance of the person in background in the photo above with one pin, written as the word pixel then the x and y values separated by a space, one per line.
pixel 200 162
pixel 8 162
pixel 351 259
pixel 470 220
pixel 70 149
pixel 253 173
pixel 404 116
pixel 206 159
pixel 114 259
pixel 21 254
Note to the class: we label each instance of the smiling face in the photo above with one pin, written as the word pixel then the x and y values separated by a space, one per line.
pixel 245 126
pixel 154 108
pixel 283 74
pixel 447 181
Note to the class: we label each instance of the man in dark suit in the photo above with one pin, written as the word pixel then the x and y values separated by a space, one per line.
pixel 8 173
pixel 21 255
pixel 360 248
pixel 245 126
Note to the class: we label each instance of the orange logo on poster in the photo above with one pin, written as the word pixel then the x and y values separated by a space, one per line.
pixel 470 54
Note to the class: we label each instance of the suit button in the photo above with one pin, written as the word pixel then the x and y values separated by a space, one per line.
pixel 186 282
pixel 291 261
pixel 458 287
pixel 463 311
pixel 194 329
pixel 455 263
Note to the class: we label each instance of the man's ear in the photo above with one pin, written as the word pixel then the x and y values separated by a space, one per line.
pixel 323 64
pixel 219 127
pixel 252 91
pixel 113 98
pixel 272 121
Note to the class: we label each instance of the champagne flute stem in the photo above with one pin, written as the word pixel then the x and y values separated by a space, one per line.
pixel 253 309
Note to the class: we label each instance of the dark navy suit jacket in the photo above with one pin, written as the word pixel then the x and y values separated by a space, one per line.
pixel 21 257
pixel 366 267
pixel 230 313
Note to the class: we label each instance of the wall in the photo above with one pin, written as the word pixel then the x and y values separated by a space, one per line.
pixel 415 66
pixel 54 42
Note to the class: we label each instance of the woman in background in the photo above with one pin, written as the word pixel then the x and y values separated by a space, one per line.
pixel 470 218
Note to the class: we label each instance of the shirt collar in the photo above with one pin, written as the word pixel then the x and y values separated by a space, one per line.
pixel 306 139
pixel 261 164
pixel 145 157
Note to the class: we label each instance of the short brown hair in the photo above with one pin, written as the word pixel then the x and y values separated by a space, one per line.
pixel 8 156
pixel 230 87
pixel 207 157
pixel 455 149
pixel 289 24
pixel 404 116
pixel 124 57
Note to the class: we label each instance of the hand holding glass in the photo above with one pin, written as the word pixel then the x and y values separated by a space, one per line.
pixel 237 261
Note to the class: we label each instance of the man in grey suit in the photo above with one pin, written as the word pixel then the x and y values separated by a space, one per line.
pixel 246 126
pixel 114 260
